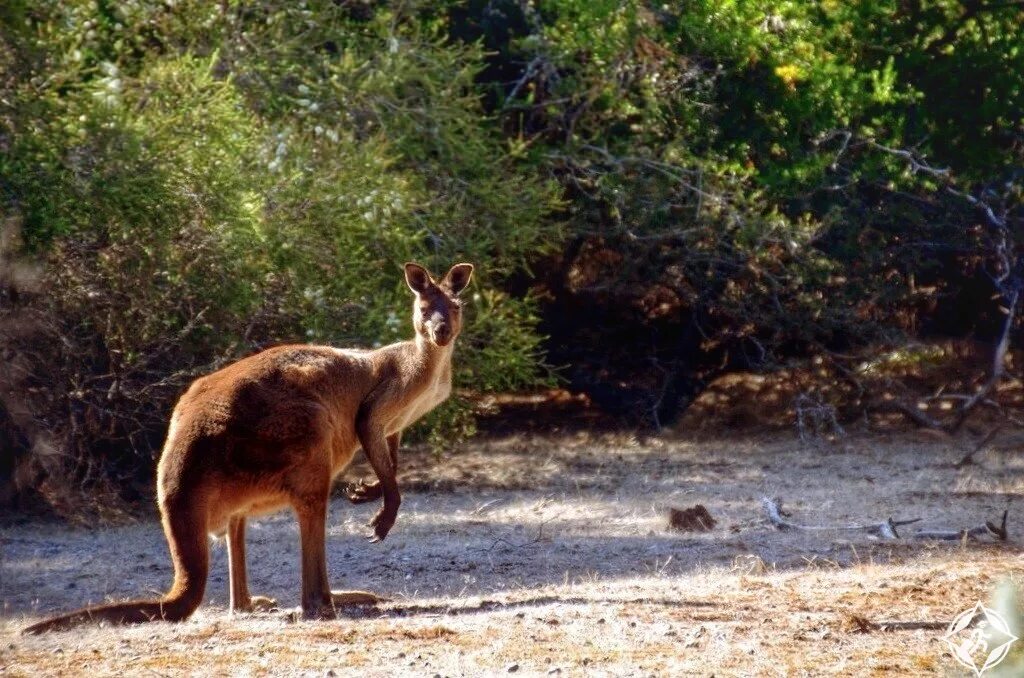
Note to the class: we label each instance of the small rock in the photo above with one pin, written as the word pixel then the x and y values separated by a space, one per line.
pixel 512 668
pixel 330 673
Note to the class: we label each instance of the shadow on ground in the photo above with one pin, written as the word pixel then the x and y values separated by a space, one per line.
pixel 518 514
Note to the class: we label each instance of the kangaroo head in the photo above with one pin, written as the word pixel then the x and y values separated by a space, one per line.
pixel 437 311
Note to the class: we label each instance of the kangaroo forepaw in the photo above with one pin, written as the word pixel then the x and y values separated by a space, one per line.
pixel 382 524
pixel 363 492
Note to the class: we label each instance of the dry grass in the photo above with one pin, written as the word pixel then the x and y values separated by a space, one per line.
pixel 555 554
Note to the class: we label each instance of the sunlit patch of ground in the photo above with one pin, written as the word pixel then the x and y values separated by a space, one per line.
pixel 545 555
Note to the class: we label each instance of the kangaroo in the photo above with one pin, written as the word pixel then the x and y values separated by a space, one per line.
pixel 273 430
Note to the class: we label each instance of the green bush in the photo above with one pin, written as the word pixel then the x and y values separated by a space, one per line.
pixel 220 178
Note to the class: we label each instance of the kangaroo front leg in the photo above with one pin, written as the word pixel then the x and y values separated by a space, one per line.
pixel 241 601
pixel 376 447
pixel 365 492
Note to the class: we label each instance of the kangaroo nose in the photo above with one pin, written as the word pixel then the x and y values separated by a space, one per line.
pixel 440 331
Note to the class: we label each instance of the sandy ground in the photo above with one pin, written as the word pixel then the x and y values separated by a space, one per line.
pixel 553 556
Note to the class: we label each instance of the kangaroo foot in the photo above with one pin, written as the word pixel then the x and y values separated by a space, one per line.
pixel 344 598
pixel 255 604
pixel 263 604
pixel 363 492
pixel 323 611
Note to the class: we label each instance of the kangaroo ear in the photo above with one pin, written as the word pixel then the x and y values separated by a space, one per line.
pixel 458 277
pixel 417 278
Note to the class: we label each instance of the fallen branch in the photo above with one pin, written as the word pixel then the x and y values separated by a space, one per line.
pixel 886 529
pixel 988 529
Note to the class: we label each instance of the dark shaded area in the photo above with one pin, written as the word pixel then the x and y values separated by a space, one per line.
pixel 14 446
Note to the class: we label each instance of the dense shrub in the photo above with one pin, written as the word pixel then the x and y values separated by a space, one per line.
pixel 754 181
pixel 654 193
pixel 193 197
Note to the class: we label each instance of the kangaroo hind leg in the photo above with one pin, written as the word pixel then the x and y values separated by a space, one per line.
pixel 241 600
pixel 316 593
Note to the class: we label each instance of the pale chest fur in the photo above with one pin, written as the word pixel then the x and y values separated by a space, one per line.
pixel 435 393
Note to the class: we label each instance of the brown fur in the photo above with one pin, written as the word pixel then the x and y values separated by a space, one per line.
pixel 273 430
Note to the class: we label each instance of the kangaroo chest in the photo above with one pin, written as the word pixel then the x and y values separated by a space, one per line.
pixel 436 392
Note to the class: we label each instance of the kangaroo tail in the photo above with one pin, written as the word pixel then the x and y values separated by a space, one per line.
pixel 133 612
pixel 185 529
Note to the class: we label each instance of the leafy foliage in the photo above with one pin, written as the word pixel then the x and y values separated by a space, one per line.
pixel 653 193
pixel 194 197
pixel 751 181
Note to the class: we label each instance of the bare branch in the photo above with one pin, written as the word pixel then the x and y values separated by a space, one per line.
pixel 915 162
pixel 885 529
pixel 988 529
pixel 998 366
pixel 969 457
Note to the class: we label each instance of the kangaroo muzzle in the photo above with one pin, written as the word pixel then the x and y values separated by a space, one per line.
pixel 440 331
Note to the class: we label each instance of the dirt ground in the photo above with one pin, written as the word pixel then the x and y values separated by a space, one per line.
pixel 543 555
